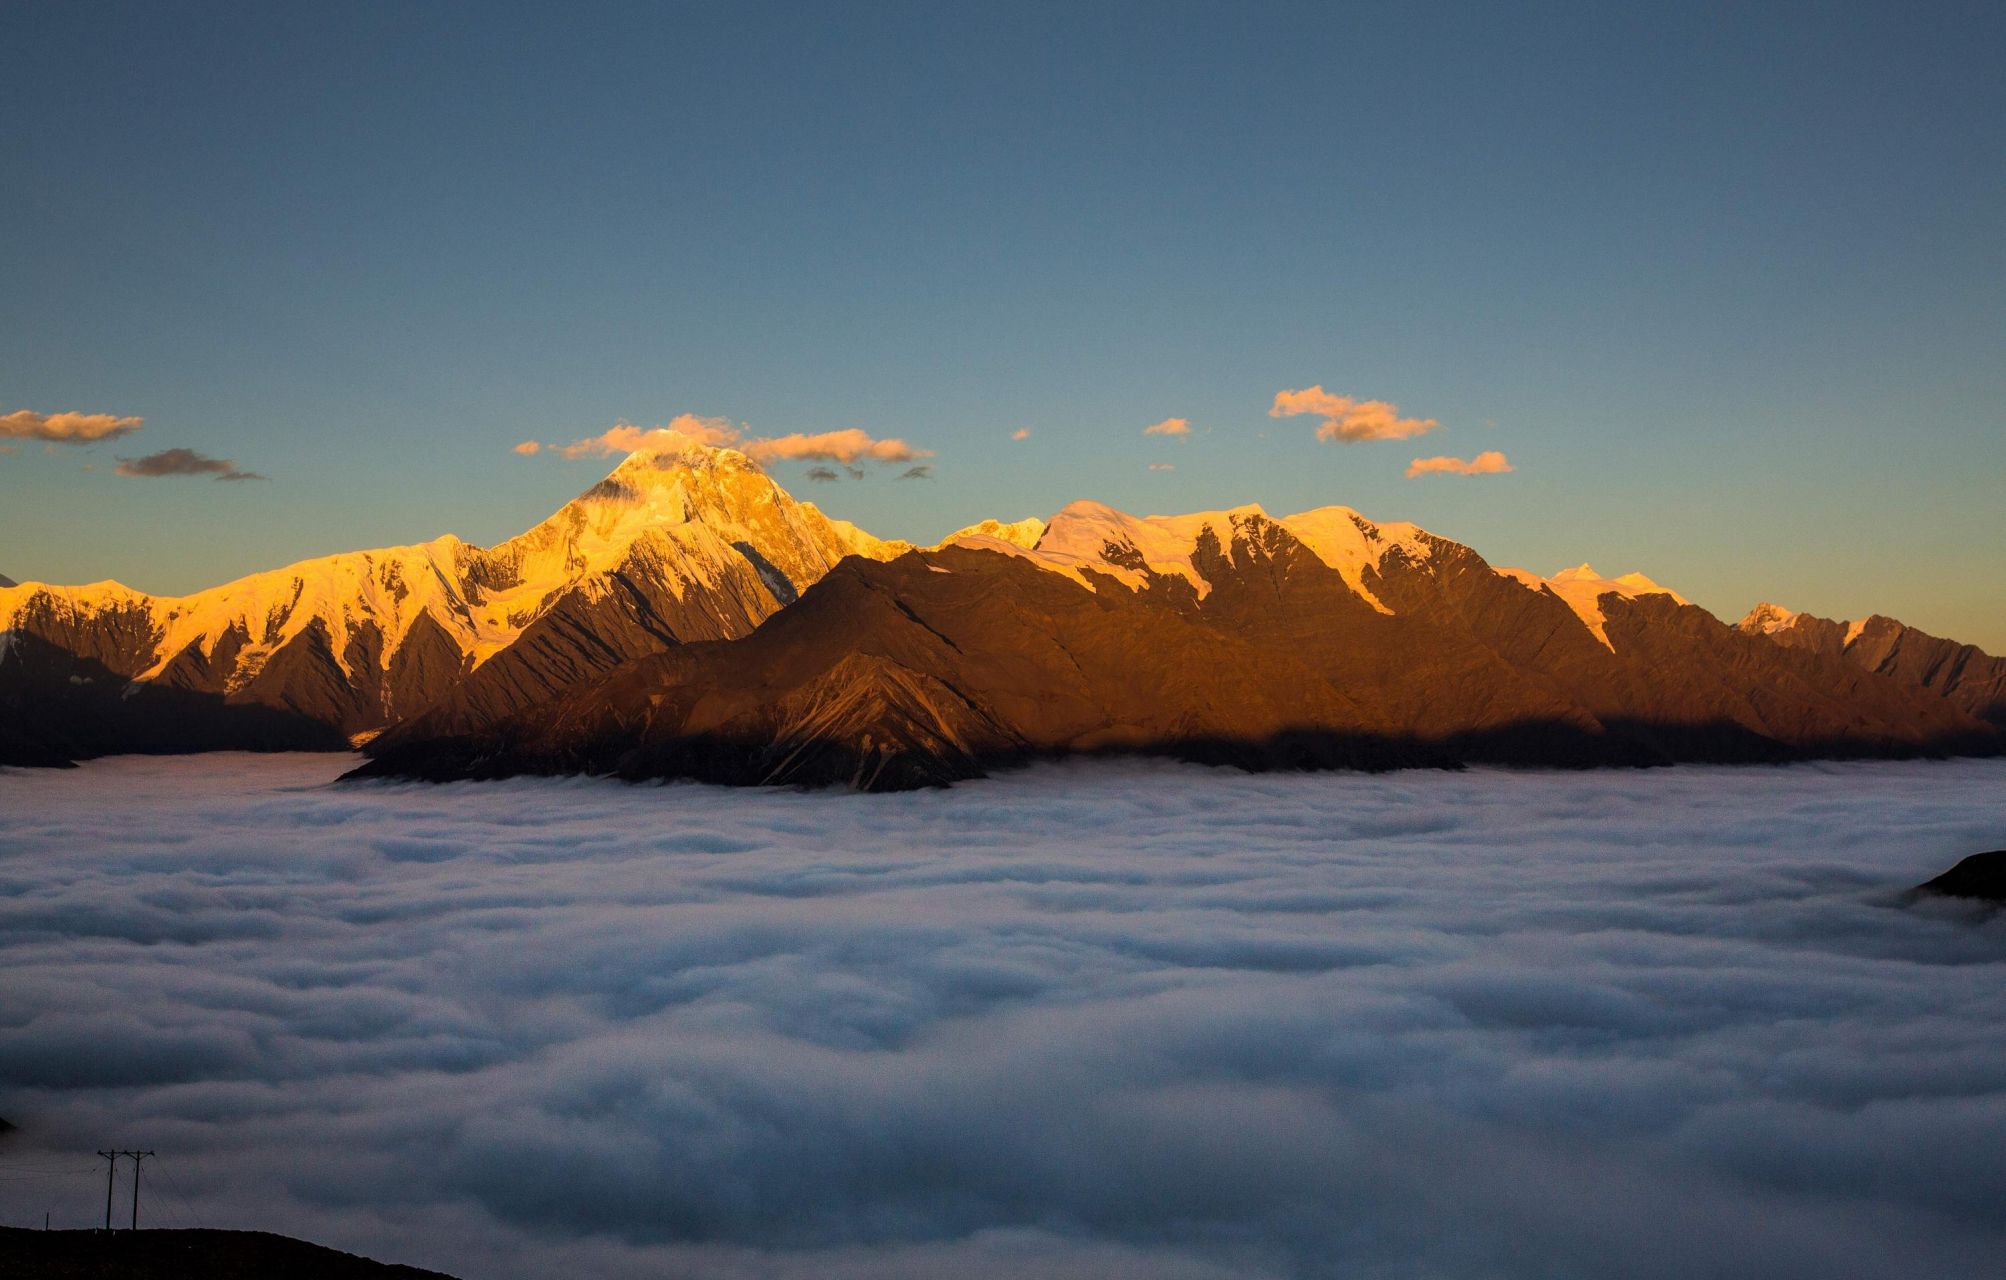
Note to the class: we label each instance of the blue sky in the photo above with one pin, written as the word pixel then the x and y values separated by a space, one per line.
pixel 1726 285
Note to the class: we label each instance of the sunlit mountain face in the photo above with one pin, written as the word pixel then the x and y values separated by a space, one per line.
pixel 626 634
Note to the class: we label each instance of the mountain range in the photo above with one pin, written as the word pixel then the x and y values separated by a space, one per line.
pixel 686 617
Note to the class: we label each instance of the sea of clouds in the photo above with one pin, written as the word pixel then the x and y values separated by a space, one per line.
pixel 1091 1020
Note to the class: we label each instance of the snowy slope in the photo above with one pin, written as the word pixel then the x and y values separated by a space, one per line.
pixel 692 520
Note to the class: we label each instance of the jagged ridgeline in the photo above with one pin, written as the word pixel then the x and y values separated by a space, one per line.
pixel 686 617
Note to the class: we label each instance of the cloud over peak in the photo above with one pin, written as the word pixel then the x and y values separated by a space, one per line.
pixel 847 447
pixel 684 428
pixel 1169 427
pixel 182 462
pixel 1349 420
pixel 1488 463
pixel 66 428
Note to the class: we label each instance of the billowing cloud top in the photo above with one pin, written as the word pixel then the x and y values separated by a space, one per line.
pixel 1349 420
pixel 66 428
pixel 183 462
pixel 1169 427
pixel 1488 463
pixel 1124 1022
pixel 847 447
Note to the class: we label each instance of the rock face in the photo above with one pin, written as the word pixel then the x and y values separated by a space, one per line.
pixel 1963 674
pixel 691 543
pixel 1982 876
pixel 1317 640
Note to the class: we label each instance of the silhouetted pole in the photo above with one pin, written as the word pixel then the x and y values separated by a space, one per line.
pixel 137 1156
pixel 110 1170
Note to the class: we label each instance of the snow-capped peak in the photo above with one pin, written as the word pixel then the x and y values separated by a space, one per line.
pixel 1023 533
pixel 1768 619
pixel 1582 589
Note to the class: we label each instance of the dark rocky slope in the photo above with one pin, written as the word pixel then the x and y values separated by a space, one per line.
pixel 940 664
pixel 1964 674
pixel 1980 877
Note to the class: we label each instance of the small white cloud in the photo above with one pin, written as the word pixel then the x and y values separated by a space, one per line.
pixel 66 428
pixel 527 448
pixel 1348 420
pixel 1169 427
pixel 1488 463
pixel 1021 433
pixel 1163 466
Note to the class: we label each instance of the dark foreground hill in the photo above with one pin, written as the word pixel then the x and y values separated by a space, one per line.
pixel 184 1255
pixel 1980 877
pixel 1249 648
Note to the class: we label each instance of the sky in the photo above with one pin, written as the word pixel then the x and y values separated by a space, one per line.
pixel 1724 286
pixel 1108 1020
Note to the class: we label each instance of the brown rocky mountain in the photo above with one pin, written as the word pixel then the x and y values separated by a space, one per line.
pixel 694 543
pixel 1965 675
pixel 1317 640
pixel 686 616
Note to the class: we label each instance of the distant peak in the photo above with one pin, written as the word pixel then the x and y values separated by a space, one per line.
pixel 1768 619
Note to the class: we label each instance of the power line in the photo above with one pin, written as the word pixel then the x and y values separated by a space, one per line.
pixel 111 1175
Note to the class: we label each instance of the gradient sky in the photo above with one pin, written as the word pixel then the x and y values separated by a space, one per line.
pixel 1728 288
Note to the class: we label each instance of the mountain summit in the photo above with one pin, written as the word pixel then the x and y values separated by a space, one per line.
pixel 690 542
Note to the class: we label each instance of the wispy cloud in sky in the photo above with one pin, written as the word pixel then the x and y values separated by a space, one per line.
pixel 66 428
pixel 1347 420
pixel 1169 427
pixel 1488 463
pixel 1021 433
pixel 847 447
pixel 1163 466
pixel 182 462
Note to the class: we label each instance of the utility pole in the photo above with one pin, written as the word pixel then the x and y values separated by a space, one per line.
pixel 137 1156
pixel 110 1171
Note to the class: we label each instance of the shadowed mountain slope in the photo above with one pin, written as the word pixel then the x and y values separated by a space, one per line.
pixel 1220 637
pixel 1963 674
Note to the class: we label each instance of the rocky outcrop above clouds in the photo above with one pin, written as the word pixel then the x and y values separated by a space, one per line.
pixel 1963 674
pixel 1226 637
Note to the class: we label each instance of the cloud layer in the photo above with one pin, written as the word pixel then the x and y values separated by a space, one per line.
pixel 183 462
pixel 66 428
pixel 847 447
pixel 1348 420
pixel 1088 1020
pixel 1488 463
